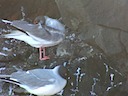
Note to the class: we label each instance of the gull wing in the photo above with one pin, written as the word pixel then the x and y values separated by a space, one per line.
pixel 42 77
pixel 33 30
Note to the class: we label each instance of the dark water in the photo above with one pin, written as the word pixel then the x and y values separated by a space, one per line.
pixel 91 72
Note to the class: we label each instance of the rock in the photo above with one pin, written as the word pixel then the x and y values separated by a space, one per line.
pixel 64 49
pixel 31 8
pixel 12 50
pixel 88 17
pixel 89 32
pixel 88 51
pixel 109 13
pixel 109 41
pixel 124 40
pixel 73 15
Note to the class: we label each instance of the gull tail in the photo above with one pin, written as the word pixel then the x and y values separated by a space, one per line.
pixel 9 81
pixel 13 33
pixel 6 78
pixel 6 21
pixel 16 34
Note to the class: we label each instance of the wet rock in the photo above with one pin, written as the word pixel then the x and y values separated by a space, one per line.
pixel 33 58
pixel 73 15
pixel 102 21
pixel 31 8
pixel 20 91
pixel 124 40
pixel 88 51
pixel 109 13
pixel 123 65
pixel 1 86
pixel 64 49
pixel 14 50
pixel 109 41
pixel 89 32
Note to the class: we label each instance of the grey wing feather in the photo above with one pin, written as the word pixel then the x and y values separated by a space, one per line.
pixel 32 29
pixel 35 78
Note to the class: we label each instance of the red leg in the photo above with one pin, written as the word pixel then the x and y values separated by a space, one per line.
pixel 42 51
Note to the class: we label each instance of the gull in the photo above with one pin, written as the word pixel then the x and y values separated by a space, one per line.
pixel 39 82
pixel 47 32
